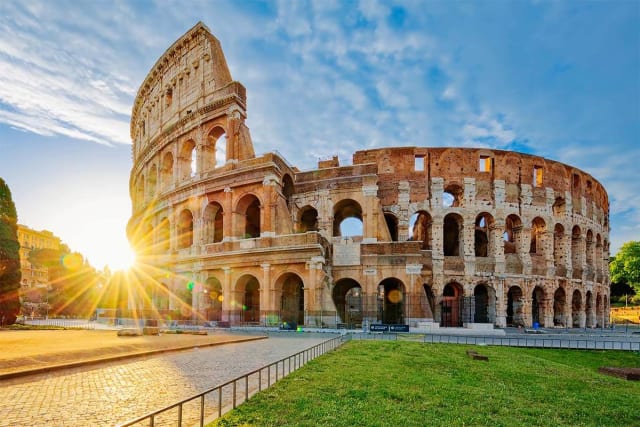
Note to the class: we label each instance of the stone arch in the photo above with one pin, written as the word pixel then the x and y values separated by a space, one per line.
pixel 343 210
pixel 308 219
pixel 453 236
pixel 290 297
pixel 515 306
pixel 577 251
pixel 538 230
pixel 288 190
pixel 152 181
pixel 482 236
pixel 186 159
pixel 347 297
pixel 453 195
pixel 512 233
pixel 420 229
pixel 538 305
pixel 248 288
pixel 185 229
pixel 427 302
pixel 576 308
pixel 391 305
pixel 484 304
pixel 248 209
pixel 599 311
pixel 451 305
pixel 559 207
pixel 213 223
pixel 216 148
pixel 392 225
pixel 166 171
pixel 213 297
pixel 559 308
pixel 590 249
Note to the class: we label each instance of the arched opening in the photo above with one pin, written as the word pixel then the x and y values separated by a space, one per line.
pixel 484 304
pixel 482 236
pixel 185 229
pixel 213 223
pixel 591 321
pixel 420 229
pixel 590 247
pixel 451 305
pixel 187 159
pixel 347 297
pixel 287 190
pixel 220 150
pixel 515 315
pixel 249 209
pixel 213 299
pixel 577 251
pixel 452 196
pixel 392 225
pixel 537 306
pixel 538 228
pixel 308 219
pixel 558 250
pixel 347 219
pixel 599 312
pixel 291 299
pixel 576 308
pixel 391 302
pixel 512 231
pixel 152 181
pixel 452 235
pixel 559 304
pixel 249 288
pixel 166 173
pixel 559 207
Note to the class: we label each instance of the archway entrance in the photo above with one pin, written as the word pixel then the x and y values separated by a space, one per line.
pixel 484 304
pixel 347 297
pixel 451 306
pixel 576 308
pixel 251 300
pixel 292 300
pixel 559 303
pixel 390 302
pixel 213 299
pixel 514 307
pixel 537 306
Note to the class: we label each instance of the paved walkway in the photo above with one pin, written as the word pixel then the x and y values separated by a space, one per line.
pixel 113 392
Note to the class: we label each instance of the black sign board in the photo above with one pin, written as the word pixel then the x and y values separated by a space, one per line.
pixel 388 328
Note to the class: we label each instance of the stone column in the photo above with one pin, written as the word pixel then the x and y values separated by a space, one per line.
pixel 229 297
pixel 501 303
pixel 370 213
pixel 228 217
pixel 266 296
pixel 268 210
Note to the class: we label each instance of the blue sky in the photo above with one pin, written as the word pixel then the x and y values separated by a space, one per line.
pixel 558 79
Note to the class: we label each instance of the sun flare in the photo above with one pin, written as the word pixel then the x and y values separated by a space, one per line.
pixel 122 259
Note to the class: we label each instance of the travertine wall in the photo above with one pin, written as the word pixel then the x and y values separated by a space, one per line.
pixel 438 236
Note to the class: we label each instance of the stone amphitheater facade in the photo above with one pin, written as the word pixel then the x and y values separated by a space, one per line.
pixel 422 236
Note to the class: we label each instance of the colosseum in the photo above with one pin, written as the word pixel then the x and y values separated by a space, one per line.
pixel 420 236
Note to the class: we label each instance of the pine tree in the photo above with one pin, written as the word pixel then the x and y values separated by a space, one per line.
pixel 10 274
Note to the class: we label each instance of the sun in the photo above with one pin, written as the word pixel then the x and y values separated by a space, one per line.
pixel 122 259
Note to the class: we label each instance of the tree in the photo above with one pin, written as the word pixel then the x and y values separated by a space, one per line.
pixel 625 266
pixel 10 274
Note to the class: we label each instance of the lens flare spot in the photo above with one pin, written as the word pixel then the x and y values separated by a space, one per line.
pixel 394 296
pixel 72 261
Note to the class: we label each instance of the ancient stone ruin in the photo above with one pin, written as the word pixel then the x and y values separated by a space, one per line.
pixel 420 236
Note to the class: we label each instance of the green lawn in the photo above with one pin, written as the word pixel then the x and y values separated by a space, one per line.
pixel 367 383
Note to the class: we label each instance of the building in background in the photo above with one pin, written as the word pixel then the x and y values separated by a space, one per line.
pixel 420 236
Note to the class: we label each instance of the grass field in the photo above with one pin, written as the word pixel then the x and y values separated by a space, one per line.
pixel 367 383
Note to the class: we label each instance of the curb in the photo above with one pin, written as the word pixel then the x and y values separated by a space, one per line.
pixel 88 362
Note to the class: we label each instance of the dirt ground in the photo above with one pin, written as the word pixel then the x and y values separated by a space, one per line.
pixel 23 351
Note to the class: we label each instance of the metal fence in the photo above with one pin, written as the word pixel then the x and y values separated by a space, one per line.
pixel 61 323
pixel 602 343
pixel 214 402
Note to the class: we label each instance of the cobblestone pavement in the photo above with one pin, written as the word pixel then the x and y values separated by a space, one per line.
pixel 119 391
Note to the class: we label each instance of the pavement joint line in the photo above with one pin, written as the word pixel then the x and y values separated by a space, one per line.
pixel 96 361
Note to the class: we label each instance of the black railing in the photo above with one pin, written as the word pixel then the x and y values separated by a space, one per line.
pixel 214 402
